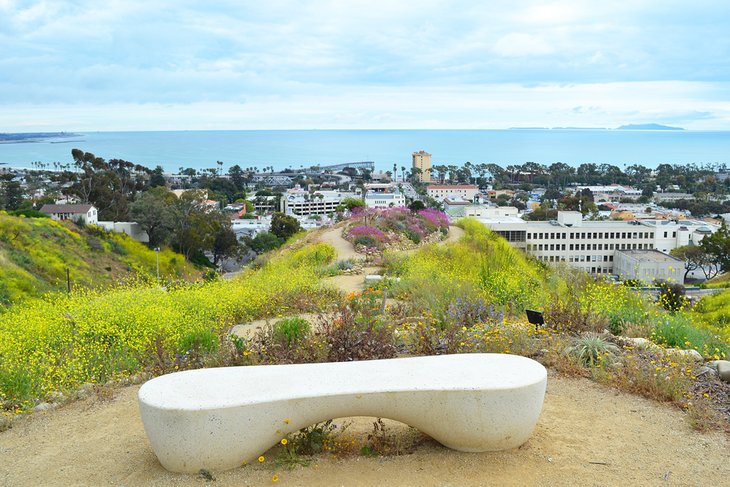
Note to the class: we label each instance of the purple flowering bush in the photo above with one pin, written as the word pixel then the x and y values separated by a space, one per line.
pixel 392 225
pixel 436 218
pixel 367 236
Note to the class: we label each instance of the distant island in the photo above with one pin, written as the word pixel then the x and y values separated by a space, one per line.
pixel 29 137
pixel 648 126
pixel 636 126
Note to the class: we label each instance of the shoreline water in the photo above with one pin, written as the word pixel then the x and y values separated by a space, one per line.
pixel 304 148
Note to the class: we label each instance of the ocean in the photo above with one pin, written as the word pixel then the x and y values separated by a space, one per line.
pixel 303 148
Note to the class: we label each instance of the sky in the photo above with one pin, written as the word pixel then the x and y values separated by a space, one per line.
pixel 362 64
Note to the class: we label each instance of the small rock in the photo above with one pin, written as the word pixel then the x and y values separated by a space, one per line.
pixel 44 406
pixel 56 397
pixel 723 369
pixel 692 353
pixel 704 370
pixel 84 391
pixel 641 343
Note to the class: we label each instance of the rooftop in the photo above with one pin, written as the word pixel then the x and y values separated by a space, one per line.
pixel 650 256
pixel 66 208
pixel 453 186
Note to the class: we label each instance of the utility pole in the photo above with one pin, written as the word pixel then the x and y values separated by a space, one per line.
pixel 68 281
pixel 157 255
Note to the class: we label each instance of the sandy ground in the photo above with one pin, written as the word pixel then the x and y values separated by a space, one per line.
pixel 587 435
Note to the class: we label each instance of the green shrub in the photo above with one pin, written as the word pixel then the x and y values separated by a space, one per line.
pixel 29 213
pixel 678 331
pixel 366 241
pixel 199 341
pixel 291 330
pixel 412 236
pixel 17 389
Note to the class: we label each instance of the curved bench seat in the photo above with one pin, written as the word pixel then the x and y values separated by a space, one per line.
pixel 218 418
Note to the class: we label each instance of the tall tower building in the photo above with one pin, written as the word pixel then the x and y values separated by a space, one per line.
pixel 422 161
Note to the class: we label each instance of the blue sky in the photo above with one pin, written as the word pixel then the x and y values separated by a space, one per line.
pixel 164 65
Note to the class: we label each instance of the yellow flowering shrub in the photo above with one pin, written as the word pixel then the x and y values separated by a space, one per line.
pixel 60 341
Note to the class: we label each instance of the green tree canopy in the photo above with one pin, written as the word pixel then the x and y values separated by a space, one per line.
pixel 717 247
pixel 153 212
pixel 284 226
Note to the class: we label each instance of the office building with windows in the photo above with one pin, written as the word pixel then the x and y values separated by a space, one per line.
pixel 592 245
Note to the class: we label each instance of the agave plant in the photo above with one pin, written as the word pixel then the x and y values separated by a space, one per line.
pixel 591 349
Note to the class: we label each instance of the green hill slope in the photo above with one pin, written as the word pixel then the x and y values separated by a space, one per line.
pixel 35 253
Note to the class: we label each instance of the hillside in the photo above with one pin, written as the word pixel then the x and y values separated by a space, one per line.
pixel 463 294
pixel 35 253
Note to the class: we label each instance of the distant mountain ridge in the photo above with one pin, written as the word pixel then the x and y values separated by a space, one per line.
pixel 648 126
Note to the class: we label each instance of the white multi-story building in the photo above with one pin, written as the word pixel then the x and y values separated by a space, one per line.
pixel 648 266
pixel 452 191
pixel 384 200
pixel 301 202
pixel 672 197
pixel 383 195
pixel 591 245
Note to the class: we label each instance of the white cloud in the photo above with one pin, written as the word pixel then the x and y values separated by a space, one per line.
pixel 484 106
pixel 320 55
pixel 517 44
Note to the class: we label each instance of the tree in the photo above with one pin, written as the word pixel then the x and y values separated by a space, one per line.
pixel 350 203
pixel 11 193
pixel 717 247
pixel 110 186
pixel 237 177
pixel 262 242
pixel 416 206
pixel 694 258
pixel 192 232
pixel 225 243
pixel 157 178
pixel 284 226
pixel 153 211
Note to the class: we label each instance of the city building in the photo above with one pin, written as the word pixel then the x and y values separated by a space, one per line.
pixel 592 245
pixel 611 192
pixel 383 195
pixel 422 161
pixel 84 213
pixel 648 266
pixel 459 208
pixel 452 191
pixel 672 197
pixel 298 201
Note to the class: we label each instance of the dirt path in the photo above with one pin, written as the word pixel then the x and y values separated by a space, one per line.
pixel 587 435
pixel 343 248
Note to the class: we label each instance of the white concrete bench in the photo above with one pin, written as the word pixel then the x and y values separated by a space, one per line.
pixel 218 418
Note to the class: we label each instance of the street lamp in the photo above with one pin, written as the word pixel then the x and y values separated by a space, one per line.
pixel 157 254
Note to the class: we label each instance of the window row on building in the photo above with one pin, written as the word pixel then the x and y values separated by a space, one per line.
pixel 600 246
pixel 590 235
pixel 575 261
